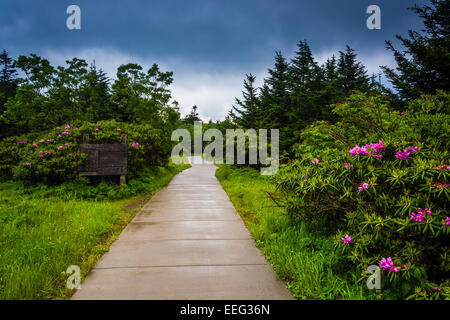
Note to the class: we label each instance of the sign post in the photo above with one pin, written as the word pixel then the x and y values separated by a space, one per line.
pixel 105 159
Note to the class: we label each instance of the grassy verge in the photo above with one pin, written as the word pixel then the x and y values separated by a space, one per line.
pixel 44 229
pixel 306 259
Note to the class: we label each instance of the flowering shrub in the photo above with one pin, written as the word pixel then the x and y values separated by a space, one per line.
pixel 55 156
pixel 386 202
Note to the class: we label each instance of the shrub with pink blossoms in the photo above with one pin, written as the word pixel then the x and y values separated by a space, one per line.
pixel 58 162
pixel 404 217
pixel 347 239
pixel 363 187
pixel 405 154
pixel 376 148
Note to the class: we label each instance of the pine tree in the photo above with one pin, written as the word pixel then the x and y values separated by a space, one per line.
pixel 275 101
pixel 274 95
pixel 8 84
pixel 96 95
pixel 247 114
pixel 351 73
pixel 330 69
pixel 305 80
pixel 192 116
pixel 424 65
pixel 303 67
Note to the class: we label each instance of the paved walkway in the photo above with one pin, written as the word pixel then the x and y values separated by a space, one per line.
pixel 189 243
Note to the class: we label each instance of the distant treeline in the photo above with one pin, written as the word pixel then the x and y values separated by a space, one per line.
pixel 46 96
pixel 299 92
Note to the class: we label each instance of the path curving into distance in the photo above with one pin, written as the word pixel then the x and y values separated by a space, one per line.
pixel 189 243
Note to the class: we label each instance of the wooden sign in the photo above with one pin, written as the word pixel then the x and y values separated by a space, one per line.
pixel 104 159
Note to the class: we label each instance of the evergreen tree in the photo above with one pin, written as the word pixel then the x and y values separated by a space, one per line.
pixel 192 116
pixel 275 101
pixel 8 86
pixel 274 97
pixel 31 109
pixel 305 79
pixel 424 65
pixel 8 83
pixel 352 75
pixel 247 114
pixel 330 69
pixel 303 67
pixel 95 95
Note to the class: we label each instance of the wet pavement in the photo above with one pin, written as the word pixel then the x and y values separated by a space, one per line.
pixel 187 243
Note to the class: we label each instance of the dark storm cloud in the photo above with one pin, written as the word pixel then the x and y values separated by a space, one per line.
pixel 213 36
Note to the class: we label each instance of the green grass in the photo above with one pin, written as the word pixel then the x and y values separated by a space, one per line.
pixel 44 229
pixel 306 259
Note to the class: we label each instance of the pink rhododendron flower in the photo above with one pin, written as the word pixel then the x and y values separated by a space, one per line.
pixel 34 145
pixel 376 147
pixel 347 165
pixel 405 154
pixel 67 127
pixel 118 130
pixel 447 221
pixel 402 155
pixel 394 269
pixel 316 160
pixel 27 164
pixel 363 186
pixel 419 216
pixel 386 263
pixel 444 167
pixel 347 239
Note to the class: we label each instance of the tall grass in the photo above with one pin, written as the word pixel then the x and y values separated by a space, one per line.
pixel 306 259
pixel 42 232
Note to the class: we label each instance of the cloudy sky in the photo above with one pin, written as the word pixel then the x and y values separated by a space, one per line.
pixel 209 44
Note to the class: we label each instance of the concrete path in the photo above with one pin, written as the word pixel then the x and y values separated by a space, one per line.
pixel 189 243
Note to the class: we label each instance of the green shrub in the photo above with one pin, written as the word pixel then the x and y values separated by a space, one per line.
pixel 376 195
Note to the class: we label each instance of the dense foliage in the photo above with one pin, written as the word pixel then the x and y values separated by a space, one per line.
pixel 424 64
pixel 55 156
pixel 47 97
pixel 45 112
pixel 363 164
pixel 379 179
pixel 297 92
